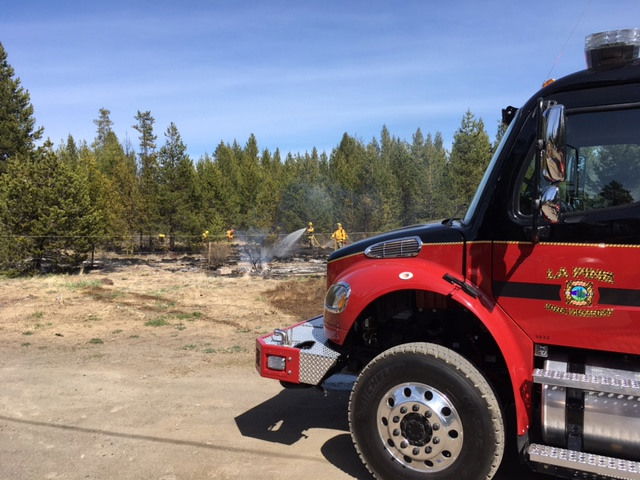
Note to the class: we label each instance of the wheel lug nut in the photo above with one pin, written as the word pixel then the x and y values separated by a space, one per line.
pixel 396 432
pixel 396 419
pixel 416 451
pixel 428 414
pixel 436 426
pixel 436 440
pixel 403 410
pixel 428 450
pixel 415 408
pixel 404 444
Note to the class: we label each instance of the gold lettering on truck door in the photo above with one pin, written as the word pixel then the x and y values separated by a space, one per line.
pixel 561 273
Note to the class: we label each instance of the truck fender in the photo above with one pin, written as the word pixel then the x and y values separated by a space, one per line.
pixel 515 345
pixel 386 276
pixel 377 279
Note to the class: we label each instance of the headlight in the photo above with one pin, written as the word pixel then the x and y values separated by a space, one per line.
pixel 337 297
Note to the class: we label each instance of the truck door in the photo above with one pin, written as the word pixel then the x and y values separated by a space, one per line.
pixel 580 285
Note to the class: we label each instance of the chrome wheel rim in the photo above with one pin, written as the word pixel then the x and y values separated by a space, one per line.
pixel 419 427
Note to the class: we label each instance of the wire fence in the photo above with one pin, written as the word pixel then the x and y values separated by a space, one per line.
pixel 176 243
pixel 26 254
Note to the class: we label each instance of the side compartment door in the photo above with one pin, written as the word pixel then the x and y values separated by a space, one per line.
pixel 580 286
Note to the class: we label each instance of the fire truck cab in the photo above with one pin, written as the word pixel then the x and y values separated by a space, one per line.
pixel 520 320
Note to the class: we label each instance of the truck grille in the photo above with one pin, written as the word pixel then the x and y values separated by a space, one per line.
pixel 402 247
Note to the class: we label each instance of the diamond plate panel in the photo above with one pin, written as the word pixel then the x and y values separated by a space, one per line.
pixel 585 462
pixel 315 365
pixel 317 356
pixel 622 386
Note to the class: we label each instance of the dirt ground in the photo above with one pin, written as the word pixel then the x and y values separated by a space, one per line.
pixel 145 370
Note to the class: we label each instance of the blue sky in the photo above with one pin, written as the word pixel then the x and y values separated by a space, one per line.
pixel 296 74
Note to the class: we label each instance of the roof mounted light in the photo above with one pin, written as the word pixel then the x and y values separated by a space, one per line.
pixel 612 49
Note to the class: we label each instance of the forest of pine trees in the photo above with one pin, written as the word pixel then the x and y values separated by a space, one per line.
pixel 59 202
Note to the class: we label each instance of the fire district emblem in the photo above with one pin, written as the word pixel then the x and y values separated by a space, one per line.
pixel 579 293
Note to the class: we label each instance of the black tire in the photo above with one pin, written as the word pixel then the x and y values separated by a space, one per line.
pixel 420 411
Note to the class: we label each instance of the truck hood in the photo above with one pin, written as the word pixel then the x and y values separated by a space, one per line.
pixel 428 233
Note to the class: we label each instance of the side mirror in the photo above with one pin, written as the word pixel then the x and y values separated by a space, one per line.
pixel 554 163
pixel 550 204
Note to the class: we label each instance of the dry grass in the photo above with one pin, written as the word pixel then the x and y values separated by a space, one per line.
pixel 217 253
pixel 222 316
pixel 302 298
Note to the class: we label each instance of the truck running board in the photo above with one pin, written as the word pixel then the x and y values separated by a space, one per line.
pixel 596 383
pixel 584 462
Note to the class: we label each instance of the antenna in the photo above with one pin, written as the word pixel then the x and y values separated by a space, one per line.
pixel 564 47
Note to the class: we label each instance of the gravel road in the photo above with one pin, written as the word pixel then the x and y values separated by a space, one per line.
pixel 74 415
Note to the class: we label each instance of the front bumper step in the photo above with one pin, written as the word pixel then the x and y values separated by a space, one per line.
pixel 584 462
pixel 304 353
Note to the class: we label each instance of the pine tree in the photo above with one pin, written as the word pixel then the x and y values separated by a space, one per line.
pixel 179 202
pixel 104 127
pixel 46 208
pixel 348 177
pixel 423 188
pixel 17 123
pixel 148 168
pixel 269 193
pixel 500 131
pixel 250 182
pixel 303 195
pixel 229 180
pixel 302 203
pixel 437 195
pixel 379 196
pixel 69 152
pixel 403 199
pixel 208 180
pixel 115 185
pixel 147 138
pixel 470 156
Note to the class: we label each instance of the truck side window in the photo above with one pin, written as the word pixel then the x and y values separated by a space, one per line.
pixel 603 162
pixel 526 186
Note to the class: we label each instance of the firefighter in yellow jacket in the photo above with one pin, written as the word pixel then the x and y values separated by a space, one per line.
pixel 312 241
pixel 340 236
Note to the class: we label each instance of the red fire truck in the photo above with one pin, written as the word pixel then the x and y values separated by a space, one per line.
pixel 518 323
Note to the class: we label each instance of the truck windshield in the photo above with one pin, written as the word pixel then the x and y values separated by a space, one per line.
pixel 471 211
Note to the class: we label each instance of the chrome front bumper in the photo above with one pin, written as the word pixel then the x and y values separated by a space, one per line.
pixel 298 354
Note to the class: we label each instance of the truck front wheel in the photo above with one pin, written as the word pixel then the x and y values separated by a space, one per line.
pixel 421 411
